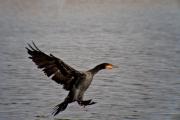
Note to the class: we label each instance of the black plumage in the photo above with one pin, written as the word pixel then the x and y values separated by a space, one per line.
pixel 76 82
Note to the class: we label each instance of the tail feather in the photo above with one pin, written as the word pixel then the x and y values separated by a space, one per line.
pixel 60 107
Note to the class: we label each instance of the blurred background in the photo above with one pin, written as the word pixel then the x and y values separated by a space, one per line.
pixel 142 37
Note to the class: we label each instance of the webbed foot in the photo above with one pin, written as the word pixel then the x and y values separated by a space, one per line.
pixel 86 102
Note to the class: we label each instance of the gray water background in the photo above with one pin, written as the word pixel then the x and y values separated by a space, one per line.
pixel 141 37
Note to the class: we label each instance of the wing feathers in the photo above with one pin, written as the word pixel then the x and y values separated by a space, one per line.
pixel 53 66
pixel 51 71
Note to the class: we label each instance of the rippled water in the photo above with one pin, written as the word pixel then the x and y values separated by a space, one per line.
pixel 142 38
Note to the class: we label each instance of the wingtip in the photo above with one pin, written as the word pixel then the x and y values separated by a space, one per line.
pixel 26 48
pixel 36 46
pixel 32 47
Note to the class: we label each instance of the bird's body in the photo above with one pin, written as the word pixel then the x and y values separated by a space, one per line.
pixel 74 81
pixel 80 86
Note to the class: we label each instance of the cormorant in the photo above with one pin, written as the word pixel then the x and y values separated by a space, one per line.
pixel 76 82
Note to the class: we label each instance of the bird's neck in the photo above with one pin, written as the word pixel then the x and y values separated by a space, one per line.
pixel 95 69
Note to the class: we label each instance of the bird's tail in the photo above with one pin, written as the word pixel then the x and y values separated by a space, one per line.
pixel 60 107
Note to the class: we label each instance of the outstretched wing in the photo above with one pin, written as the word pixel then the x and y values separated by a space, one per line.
pixel 54 67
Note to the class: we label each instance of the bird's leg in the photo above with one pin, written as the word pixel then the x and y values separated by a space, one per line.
pixel 86 102
pixel 92 102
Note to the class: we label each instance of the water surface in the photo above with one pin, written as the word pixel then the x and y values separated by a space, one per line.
pixel 141 37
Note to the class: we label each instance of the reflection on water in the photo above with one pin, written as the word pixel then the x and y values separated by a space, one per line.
pixel 142 38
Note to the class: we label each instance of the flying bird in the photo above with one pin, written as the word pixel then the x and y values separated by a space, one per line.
pixel 74 81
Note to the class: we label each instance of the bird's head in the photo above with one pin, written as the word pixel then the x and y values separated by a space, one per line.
pixel 101 66
pixel 107 66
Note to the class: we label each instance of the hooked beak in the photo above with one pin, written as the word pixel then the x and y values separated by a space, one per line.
pixel 115 66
